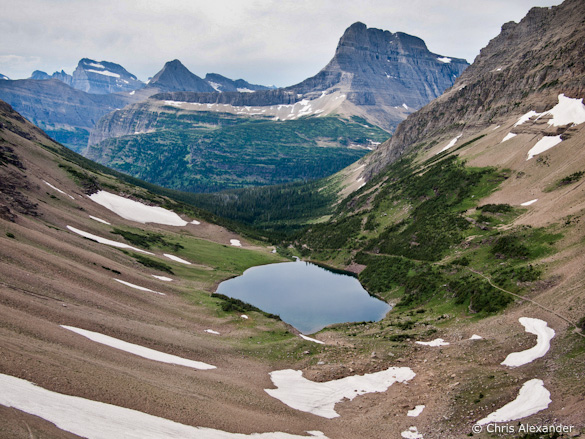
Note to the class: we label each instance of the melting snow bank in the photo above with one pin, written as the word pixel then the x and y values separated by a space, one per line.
pixel 435 342
pixel 138 287
pixel 416 411
pixel 99 220
pixel 508 137
pixel 177 259
pixel 57 189
pixel 411 433
pixel 97 420
pixel 141 351
pixel 320 398
pixel 450 144
pixel 544 335
pixel 314 340
pixel 543 145
pixel 532 398
pixel 106 241
pixel 135 211
pixel 528 203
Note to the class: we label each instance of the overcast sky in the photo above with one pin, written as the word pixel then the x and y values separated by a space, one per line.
pixel 270 42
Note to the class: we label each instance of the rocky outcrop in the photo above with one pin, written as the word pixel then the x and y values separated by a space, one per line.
pixel 524 68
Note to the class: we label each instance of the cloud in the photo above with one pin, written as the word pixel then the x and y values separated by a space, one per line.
pixel 265 41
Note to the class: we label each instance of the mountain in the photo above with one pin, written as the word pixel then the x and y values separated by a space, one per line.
pixel 64 112
pixel 174 76
pixel 103 78
pixel 94 77
pixel 222 84
pixel 514 74
pixel 39 75
pixel 375 74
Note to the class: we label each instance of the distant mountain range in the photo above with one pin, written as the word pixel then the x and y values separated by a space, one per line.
pixel 374 80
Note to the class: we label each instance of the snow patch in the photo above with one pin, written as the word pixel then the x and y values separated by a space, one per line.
pixel 211 331
pixel 476 337
pixel 235 242
pixel 416 411
pixel 136 211
pixel 99 220
pixel 567 111
pixel 411 433
pixel 98 420
pixel 104 72
pixel 106 241
pixel 543 145
pixel 435 342
pixel 138 287
pixel 141 351
pixel 245 90
pixel 544 335
pixel 314 340
pixel 532 398
pixel 320 398
pixel 508 137
pixel 526 117
pixel 444 59
pixel 244 316
pixel 451 143
pixel 163 278
pixel 176 259
pixel 195 222
pixel 57 189
pixel 528 203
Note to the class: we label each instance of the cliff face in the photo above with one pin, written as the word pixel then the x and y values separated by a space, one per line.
pixel 524 68
pixel 386 69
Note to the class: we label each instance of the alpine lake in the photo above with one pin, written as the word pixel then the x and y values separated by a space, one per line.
pixel 304 295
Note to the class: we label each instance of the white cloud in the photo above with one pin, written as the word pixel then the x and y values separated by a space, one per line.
pixel 263 41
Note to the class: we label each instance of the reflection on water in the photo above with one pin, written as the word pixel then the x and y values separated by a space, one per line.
pixel 305 295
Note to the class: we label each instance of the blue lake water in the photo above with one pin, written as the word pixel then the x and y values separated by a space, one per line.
pixel 305 295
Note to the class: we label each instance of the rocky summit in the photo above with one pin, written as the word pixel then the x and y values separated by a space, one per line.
pixel 103 77
pixel 386 71
pixel 174 76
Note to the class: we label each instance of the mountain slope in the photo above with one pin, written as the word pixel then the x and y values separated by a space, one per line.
pixel 64 112
pixel 515 73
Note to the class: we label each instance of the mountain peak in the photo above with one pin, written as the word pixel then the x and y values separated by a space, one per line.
pixel 103 77
pixel 394 73
pixel 174 76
